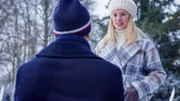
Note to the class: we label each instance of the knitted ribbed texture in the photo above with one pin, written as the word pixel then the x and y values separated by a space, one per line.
pixel 127 5
pixel 120 37
pixel 71 17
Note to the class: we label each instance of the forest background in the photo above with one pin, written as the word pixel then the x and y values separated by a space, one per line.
pixel 26 26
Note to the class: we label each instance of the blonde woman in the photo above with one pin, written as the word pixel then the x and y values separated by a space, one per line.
pixel 133 52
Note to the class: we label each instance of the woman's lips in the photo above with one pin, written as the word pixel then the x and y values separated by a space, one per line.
pixel 119 23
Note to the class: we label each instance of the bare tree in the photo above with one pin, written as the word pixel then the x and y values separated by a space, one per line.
pixel 26 27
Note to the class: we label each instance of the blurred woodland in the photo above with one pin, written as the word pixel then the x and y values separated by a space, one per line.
pixel 27 27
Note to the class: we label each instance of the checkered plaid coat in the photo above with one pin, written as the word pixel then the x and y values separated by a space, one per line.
pixel 140 64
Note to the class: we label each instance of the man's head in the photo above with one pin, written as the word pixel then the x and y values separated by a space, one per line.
pixel 71 17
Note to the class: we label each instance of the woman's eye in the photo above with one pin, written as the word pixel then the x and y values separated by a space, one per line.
pixel 115 15
pixel 119 14
pixel 122 14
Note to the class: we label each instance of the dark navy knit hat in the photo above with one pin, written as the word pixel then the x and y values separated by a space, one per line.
pixel 71 17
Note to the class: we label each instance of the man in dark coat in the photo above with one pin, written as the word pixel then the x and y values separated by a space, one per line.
pixel 67 69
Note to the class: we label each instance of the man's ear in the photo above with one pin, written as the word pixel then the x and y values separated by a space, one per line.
pixel 86 36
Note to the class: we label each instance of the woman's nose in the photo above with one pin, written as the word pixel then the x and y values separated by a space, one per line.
pixel 119 18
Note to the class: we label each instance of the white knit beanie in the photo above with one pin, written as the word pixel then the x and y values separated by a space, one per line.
pixel 127 5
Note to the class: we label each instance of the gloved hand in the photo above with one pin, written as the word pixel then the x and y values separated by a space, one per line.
pixel 131 94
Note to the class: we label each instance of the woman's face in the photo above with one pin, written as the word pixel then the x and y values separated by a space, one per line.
pixel 120 19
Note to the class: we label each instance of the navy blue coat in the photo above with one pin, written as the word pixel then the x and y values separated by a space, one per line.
pixel 67 70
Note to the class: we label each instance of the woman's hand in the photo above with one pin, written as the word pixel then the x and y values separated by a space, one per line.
pixel 131 94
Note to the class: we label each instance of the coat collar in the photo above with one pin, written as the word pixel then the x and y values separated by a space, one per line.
pixel 72 46
pixel 124 54
pixel 128 52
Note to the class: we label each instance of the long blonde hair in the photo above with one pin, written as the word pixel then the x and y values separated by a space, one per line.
pixel 132 33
